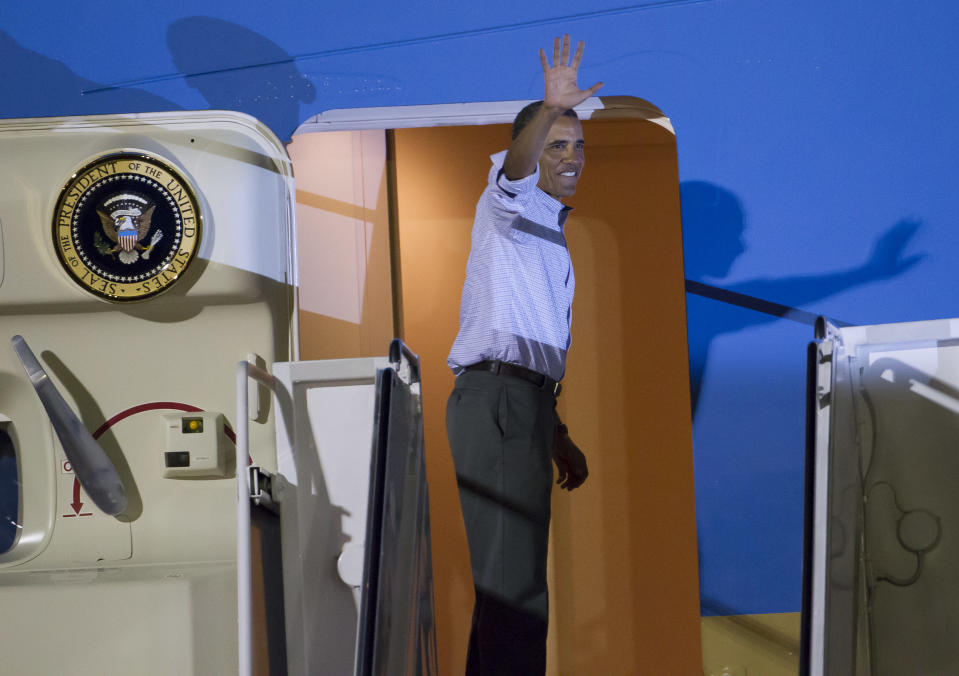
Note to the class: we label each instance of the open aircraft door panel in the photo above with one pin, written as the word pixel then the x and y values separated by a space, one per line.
pixel 141 258
pixel 881 548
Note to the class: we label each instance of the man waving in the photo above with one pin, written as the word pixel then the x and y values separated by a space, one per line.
pixel 509 357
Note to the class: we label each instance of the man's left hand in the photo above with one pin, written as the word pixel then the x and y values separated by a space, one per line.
pixel 570 462
pixel 561 91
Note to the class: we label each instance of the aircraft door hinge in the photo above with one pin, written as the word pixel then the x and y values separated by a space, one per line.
pixel 261 489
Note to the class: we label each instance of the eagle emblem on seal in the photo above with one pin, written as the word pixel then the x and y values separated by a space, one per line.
pixel 126 223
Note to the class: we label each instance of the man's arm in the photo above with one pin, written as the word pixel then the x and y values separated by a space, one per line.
pixel 562 93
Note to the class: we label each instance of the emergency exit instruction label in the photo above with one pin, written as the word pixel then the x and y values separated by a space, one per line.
pixel 76 505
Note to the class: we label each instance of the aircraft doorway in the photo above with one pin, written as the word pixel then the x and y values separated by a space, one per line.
pixel 385 201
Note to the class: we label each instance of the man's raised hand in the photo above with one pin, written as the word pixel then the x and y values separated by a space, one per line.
pixel 562 92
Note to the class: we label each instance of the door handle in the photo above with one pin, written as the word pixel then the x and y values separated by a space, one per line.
pixel 93 468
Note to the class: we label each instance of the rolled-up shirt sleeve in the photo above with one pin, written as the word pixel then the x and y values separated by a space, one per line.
pixel 505 194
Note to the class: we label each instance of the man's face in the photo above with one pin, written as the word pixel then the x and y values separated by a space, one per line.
pixel 563 158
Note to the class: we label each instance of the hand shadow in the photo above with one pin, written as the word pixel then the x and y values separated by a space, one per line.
pixel 713 226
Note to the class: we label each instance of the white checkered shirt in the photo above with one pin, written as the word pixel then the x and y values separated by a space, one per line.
pixel 518 296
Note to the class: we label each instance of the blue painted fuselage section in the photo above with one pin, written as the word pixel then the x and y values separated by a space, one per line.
pixel 817 147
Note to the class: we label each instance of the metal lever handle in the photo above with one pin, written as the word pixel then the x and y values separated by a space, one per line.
pixel 95 471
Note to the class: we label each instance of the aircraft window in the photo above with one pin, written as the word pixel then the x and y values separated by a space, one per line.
pixel 9 492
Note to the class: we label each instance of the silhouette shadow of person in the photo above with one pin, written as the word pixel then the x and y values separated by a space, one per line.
pixel 713 226
pixel 38 85
pixel 238 69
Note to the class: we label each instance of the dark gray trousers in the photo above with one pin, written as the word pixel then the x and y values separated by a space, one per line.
pixel 500 431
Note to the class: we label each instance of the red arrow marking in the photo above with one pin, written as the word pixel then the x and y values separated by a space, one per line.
pixel 152 406
pixel 159 405
pixel 76 504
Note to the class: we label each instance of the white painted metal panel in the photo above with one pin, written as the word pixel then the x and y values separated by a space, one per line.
pixel 324 438
pixel 126 368
pixel 884 551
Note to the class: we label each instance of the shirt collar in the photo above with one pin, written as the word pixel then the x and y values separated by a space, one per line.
pixel 561 210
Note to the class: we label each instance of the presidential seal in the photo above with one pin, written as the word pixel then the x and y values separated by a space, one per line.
pixel 126 226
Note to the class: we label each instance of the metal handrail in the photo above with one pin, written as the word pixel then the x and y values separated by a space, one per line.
pixel 245 371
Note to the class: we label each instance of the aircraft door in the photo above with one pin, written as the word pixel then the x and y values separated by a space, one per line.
pixel 142 257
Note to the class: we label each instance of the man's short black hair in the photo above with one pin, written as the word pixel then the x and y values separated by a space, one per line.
pixel 526 114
